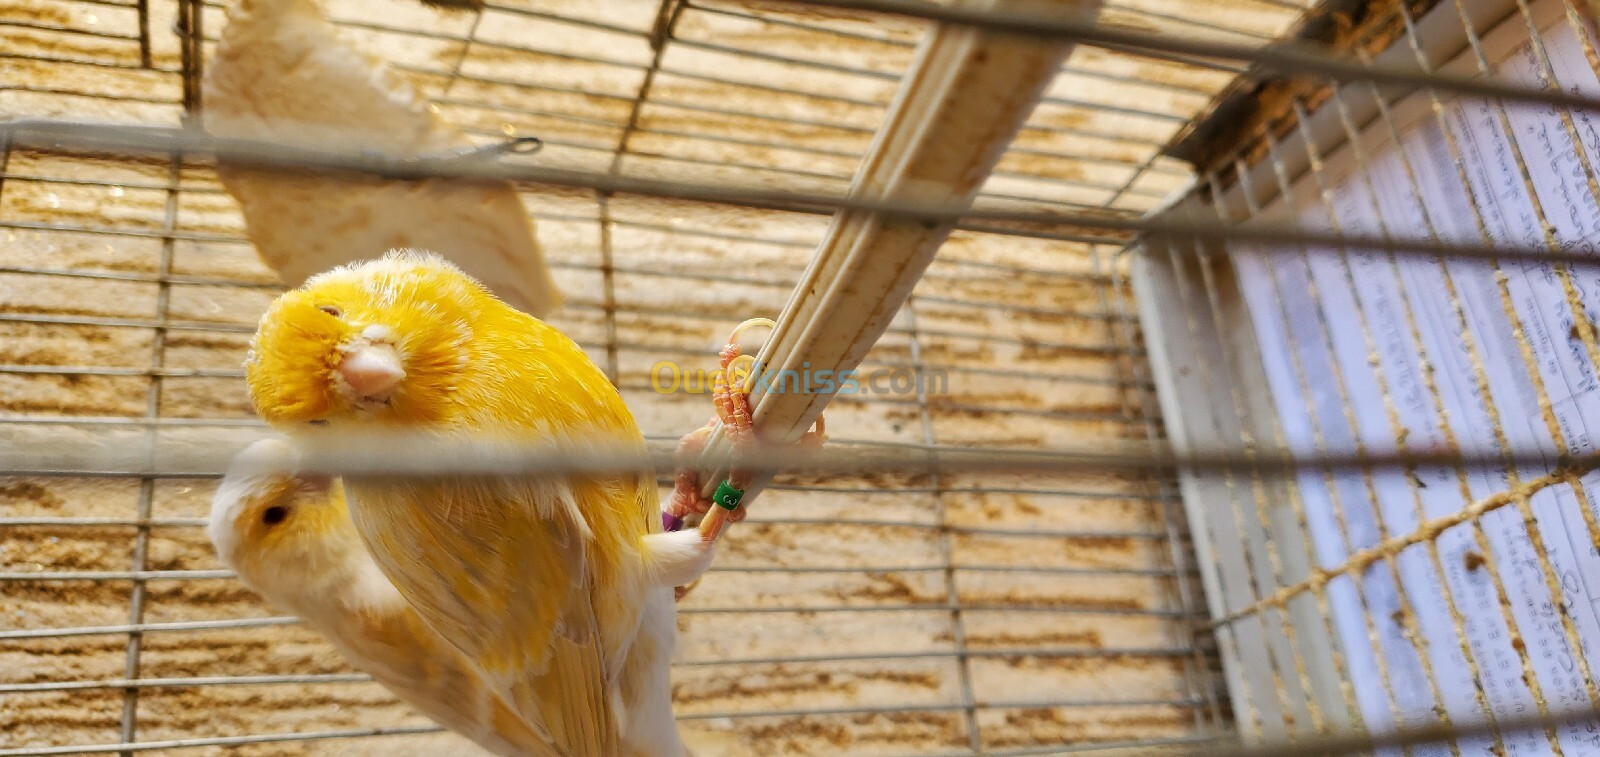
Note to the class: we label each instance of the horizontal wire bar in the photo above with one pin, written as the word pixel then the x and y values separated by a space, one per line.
pixel 232 328
pixel 1289 58
pixel 117 575
pixel 134 421
pixel 1105 416
pixel 1073 493
pixel 552 142
pixel 240 240
pixel 202 575
pixel 178 626
pixel 96 33
pixel 1049 652
pixel 146 746
pixel 402 454
pixel 977 530
pixel 996 705
pixel 1076 747
pixel 1082 609
pixel 888 76
pixel 731 278
pixel 273 622
pixel 1276 238
pixel 62 92
pixel 1068 69
pixel 532 13
pixel 113 322
pixel 70 522
pixel 1007 268
pixel 662 481
pixel 177 279
pixel 833 97
pixel 1104 746
pixel 171 683
pixel 80 370
pixel 41 687
pixel 665 481
pixel 1043 569
pixel 1361 742
pixel 75 522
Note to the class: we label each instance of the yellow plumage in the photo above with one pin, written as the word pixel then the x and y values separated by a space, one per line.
pixel 290 539
pixel 556 588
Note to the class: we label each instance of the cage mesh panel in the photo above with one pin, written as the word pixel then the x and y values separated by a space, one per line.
pixel 1269 605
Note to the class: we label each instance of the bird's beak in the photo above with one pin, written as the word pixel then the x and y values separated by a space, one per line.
pixel 372 371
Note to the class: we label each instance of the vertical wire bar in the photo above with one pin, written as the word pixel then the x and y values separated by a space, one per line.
pixel 661 36
pixel 466 49
pixel 1258 488
pixel 608 286
pixel 141 544
pixel 5 162
pixel 1320 444
pixel 1133 383
pixel 1585 329
pixel 186 52
pixel 1232 487
pixel 1529 362
pixel 1138 172
pixel 1481 376
pixel 198 57
pixel 143 7
pixel 1396 427
pixel 958 631
pixel 191 50
pixel 666 25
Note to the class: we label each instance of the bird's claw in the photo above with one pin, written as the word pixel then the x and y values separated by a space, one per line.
pixel 730 394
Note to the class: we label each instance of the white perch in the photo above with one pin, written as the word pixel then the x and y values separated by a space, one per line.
pixel 967 94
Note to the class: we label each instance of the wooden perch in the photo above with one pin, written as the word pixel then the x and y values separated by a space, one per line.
pixel 966 96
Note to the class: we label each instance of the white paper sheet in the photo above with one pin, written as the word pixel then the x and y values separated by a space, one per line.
pixel 1348 365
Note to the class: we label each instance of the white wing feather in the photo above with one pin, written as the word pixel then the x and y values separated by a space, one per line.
pixel 282 73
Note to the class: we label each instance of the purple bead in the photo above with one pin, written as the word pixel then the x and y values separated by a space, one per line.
pixel 670 522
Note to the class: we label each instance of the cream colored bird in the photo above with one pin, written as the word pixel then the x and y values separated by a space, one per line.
pixel 290 539
pixel 283 73
pixel 559 589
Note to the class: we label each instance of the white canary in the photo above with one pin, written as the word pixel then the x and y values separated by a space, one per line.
pixel 282 73
pixel 290 539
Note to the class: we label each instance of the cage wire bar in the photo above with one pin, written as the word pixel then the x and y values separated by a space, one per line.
pixel 1277 579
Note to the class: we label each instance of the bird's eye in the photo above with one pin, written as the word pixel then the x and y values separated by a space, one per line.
pixel 274 515
pixel 331 310
pixel 319 422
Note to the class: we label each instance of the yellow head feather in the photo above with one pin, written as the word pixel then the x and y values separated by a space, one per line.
pixel 418 302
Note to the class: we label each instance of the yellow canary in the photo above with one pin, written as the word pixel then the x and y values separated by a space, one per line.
pixel 558 589
pixel 290 539
pixel 282 73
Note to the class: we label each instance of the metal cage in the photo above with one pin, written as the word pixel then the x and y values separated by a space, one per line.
pixel 1281 274
pixel 868 612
